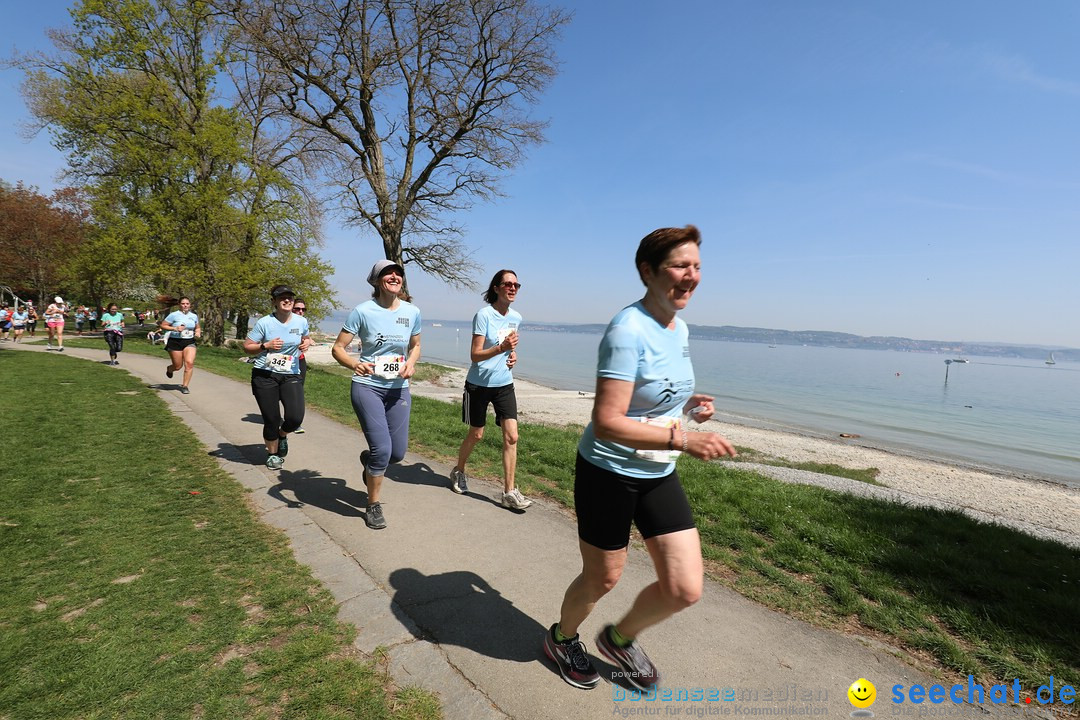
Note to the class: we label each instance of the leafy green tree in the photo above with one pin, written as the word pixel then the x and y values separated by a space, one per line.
pixel 179 188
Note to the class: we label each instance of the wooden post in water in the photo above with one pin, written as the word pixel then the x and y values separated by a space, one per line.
pixel 947 364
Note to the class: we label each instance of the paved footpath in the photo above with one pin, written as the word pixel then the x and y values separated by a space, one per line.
pixel 461 591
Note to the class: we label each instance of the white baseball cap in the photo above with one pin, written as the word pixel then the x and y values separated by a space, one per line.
pixel 378 268
pixel 58 299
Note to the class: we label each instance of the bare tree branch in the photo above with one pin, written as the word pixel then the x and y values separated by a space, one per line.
pixel 415 108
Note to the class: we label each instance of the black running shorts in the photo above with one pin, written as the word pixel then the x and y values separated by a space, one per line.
pixel 475 399
pixel 606 504
pixel 177 344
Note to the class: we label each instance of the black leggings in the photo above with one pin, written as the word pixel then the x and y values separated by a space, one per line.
pixel 272 391
pixel 115 341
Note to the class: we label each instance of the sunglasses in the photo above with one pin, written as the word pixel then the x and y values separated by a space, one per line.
pixel 511 285
pixel 299 308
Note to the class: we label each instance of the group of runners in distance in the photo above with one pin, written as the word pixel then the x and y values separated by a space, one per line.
pixel 625 470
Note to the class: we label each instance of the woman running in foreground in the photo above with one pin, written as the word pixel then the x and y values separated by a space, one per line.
pixel 625 468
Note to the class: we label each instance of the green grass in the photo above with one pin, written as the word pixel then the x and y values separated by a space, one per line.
pixel 138 583
pixel 974 598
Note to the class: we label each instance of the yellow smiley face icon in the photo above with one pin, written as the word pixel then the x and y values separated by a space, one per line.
pixel 862 693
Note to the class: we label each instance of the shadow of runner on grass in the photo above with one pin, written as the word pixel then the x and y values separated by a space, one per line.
pixel 461 608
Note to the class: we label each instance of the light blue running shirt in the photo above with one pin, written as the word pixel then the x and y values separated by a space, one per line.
pixel 189 320
pixel 494 327
pixel 285 361
pixel 383 333
pixel 637 349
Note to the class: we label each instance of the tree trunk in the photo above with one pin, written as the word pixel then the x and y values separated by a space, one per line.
pixel 242 319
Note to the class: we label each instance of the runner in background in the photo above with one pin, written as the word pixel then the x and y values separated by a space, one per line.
pixel 5 321
pixel 490 381
pixel 54 321
pixel 184 330
pixel 300 308
pixel 31 323
pixel 278 339
pixel 388 329
pixel 19 320
pixel 112 322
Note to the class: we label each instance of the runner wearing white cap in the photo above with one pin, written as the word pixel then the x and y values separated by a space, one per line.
pixel 54 321
pixel 388 329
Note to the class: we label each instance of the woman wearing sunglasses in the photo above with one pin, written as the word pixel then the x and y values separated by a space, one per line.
pixel 490 381
pixel 278 339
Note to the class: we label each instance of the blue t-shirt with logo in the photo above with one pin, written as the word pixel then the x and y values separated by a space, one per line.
pixel 493 326
pixel 383 333
pixel 286 360
pixel 188 319
pixel 18 319
pixel 637 349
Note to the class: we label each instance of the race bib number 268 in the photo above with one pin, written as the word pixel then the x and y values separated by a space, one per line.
pixel 389 366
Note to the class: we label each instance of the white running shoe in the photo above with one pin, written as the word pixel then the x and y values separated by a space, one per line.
pixel 514 500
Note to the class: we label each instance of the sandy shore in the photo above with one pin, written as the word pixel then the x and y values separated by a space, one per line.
pixel 1039 507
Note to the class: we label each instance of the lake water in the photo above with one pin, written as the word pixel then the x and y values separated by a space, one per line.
pixel 1018 415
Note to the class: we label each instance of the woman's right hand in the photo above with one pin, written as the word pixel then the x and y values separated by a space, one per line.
pixel 364 368
pixel 708 446
pixel 275 344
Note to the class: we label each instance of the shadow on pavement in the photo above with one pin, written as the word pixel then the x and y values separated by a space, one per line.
pixel 311 488
pixel 417 474
pixel 461 608
pixel 255 418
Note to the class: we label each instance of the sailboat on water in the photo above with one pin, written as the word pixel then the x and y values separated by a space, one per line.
pixel 1050 360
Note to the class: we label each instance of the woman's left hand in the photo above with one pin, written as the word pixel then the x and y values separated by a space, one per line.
pixel 407 371
pixel 511 361
pixel 699 407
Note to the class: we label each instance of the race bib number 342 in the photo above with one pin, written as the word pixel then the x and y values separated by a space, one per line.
pixel 282 363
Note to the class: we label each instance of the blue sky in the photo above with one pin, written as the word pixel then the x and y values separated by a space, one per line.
pixel 877 168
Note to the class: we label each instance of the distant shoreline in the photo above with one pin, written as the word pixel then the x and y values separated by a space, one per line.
pixel 762 423
pixel 827 338
pixel 1038 505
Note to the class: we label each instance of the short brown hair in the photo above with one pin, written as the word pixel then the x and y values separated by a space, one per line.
pixel 657 245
